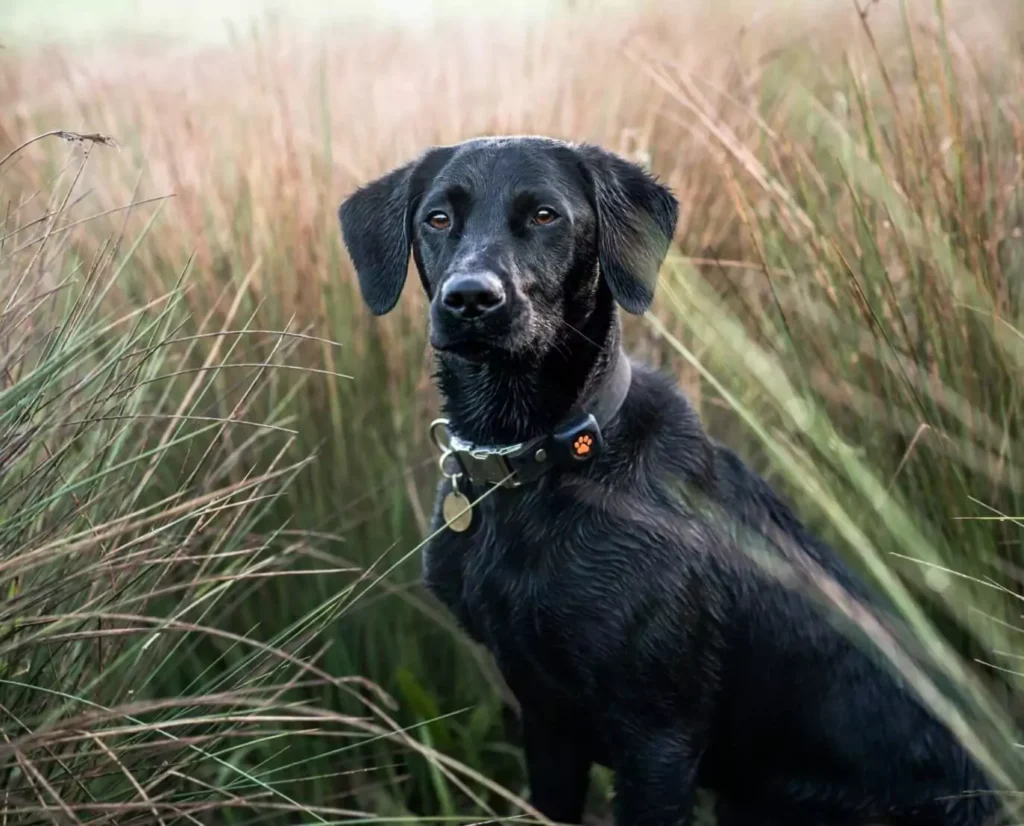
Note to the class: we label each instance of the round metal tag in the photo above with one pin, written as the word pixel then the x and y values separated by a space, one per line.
pixel 457 511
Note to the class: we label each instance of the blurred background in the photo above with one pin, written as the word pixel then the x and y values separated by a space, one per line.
pixel 215 474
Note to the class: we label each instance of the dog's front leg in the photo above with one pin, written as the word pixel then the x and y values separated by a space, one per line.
pixel 558 761
pixel 655 780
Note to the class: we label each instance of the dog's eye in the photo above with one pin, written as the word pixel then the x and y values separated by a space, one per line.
pixel 545 215
pixel 439 220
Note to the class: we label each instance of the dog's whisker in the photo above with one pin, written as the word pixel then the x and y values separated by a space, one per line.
pixel 580 333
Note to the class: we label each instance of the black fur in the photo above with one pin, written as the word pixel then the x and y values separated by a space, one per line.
pixel 626 603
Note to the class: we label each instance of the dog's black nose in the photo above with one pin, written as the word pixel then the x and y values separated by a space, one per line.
pixel 472 296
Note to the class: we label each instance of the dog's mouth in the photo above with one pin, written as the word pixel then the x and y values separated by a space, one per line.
pixel 478 340
pixel 469 349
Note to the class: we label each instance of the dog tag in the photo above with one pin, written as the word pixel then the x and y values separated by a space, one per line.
pixel 457 511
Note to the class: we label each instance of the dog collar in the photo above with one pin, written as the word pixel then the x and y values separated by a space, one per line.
pixel 576 441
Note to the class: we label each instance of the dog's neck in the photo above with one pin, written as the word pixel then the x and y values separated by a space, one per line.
pixel 510 400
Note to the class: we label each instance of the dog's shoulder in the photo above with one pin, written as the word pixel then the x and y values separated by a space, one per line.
pixel 664 454
pixel 658 433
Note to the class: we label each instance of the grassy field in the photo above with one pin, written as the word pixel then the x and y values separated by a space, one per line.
pixel 204 22
pixel 214 465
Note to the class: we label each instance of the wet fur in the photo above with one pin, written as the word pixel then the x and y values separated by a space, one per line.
pixel 624 603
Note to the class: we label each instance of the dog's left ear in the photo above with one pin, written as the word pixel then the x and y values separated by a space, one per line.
pixel 636 219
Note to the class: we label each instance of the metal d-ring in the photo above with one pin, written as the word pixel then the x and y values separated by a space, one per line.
pixel 443 424
pixel 447 452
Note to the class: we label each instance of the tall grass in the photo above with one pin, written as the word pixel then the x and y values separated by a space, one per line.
pixel 844 306
pixel 143 457
pixel 877 358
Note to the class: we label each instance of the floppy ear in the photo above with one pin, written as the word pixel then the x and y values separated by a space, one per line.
pixel 376 226
pixel 636 218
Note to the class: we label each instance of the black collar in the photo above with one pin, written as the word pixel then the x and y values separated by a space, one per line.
pixel 576 440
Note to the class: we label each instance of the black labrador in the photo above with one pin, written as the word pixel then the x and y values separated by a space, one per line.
pixel 610 569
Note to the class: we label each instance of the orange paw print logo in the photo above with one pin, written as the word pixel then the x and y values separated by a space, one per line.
pixel 583 444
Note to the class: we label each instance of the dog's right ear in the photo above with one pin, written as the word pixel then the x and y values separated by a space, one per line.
pixel 377 230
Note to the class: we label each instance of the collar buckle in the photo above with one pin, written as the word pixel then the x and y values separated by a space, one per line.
pixel 488 467
pixel 486 464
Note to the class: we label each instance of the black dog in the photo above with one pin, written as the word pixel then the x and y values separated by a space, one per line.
pixel 611 572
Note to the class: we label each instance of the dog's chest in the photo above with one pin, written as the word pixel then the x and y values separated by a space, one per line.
pixel 534 592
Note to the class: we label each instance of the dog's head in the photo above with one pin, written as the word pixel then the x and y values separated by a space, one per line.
pixel 512 237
